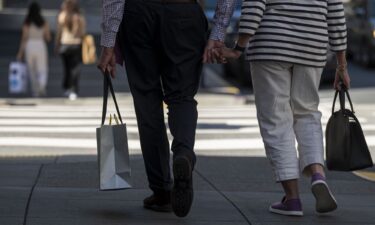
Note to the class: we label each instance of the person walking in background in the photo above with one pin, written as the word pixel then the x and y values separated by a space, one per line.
pixel 71 28
pixel 35 34
pixel 287 53
pixel 162 43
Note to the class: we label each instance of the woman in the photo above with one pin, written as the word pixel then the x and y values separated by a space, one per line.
pixel 287 53
pixel 35 34
pixel 70 32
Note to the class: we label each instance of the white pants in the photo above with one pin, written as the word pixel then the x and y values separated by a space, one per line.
pixel 36 59
pixel 286 97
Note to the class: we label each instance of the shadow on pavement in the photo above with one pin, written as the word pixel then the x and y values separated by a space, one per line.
pixel 228 190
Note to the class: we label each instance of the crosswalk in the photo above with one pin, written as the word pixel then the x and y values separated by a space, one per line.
pixel 62 128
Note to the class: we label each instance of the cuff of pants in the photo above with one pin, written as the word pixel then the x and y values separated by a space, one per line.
pixel 308 160
pixel 158 189
pixel 283 174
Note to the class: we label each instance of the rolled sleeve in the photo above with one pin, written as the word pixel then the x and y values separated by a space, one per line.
pixel 337 30
pixel 112 16
pixel 223 14
pixel 251 15
pixel 108 39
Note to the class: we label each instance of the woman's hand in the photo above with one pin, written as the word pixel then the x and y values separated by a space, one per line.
pixel 342 75
pixel 230 53
pixel 341 71
pixel 224 53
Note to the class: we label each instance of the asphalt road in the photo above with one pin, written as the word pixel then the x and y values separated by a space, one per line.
pixel 49 172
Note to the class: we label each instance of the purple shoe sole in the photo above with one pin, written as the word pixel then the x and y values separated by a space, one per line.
pixel 285 212
pixel 325 202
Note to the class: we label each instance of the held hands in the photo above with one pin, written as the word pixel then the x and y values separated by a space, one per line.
pixel 216 52
pixel 209 55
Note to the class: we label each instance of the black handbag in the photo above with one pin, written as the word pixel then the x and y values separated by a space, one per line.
pixel 346 147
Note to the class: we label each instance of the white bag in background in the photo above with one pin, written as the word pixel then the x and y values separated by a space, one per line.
pixel 18 81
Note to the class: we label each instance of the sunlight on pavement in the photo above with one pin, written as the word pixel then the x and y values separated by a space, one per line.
pixel 367 175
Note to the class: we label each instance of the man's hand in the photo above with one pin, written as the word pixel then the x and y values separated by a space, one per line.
pixel 209 52
pixel 107 61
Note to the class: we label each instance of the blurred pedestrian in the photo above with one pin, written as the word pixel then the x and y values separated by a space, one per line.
pixel 162 42
pixel 287 53
pixel 71 28
pixel 35 34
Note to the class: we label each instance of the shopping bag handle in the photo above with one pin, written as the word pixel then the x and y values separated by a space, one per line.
pixel 108 83
pixel 341 93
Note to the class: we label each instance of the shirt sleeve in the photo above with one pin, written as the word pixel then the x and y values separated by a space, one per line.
pixel 251 15
pixel 223 14
pixel 112 14
pixel 336 25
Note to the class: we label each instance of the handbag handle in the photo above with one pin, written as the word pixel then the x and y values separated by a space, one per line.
pixel 108 83
pixel 342 92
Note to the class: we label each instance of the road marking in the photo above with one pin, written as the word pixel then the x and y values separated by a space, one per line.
pixel 98 108
pixel 200 144
pixel 210 144
pixel 62 115
pixel 82 121
pixel 130 129
pixel 134 129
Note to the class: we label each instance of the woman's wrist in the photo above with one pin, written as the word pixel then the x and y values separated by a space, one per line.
pixel 239 48
pixel 342 66
pixel 341 60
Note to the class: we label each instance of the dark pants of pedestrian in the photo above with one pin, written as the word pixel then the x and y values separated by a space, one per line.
pixel 72 59
pixel 163 44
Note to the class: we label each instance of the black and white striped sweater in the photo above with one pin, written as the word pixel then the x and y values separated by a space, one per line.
pixel 296 31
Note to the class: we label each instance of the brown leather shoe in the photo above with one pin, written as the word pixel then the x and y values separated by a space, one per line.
pixel 158 202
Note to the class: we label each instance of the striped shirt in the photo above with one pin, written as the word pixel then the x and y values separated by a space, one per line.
pixel 296 31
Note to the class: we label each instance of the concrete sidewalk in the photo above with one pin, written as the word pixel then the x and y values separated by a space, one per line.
pixel 228 191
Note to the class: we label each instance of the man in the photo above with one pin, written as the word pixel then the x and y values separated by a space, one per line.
pixel 162 42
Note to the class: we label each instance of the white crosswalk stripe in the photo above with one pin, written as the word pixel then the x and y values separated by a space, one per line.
pixel 58 129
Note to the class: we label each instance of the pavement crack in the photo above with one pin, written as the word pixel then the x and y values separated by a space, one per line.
pixel 31 195
pixel 223 195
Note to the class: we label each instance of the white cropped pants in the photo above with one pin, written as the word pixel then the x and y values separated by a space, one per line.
pixel 37 63
pixel 286 98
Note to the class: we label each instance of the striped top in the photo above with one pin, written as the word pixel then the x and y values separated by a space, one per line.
pixel 296 31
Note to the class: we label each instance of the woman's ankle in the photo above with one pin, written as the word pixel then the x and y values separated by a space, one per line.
pixel 317 169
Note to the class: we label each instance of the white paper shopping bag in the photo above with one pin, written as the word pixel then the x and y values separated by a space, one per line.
pixel 113 151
